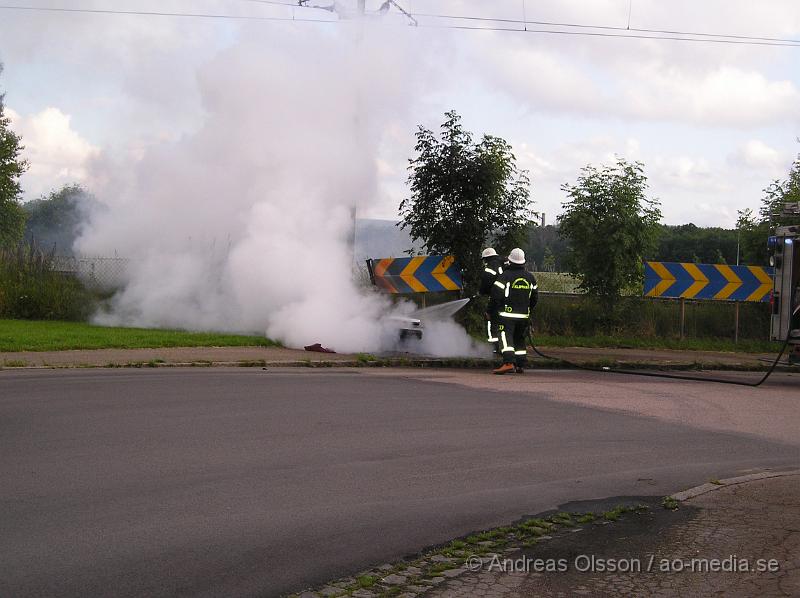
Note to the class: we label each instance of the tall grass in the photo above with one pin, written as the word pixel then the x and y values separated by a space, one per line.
pixel 30 288
pixel 640 317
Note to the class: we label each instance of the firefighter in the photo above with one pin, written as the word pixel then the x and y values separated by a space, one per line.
pixel 492 267
pixel 515 294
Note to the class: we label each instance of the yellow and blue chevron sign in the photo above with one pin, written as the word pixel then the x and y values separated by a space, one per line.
pixel 421 274
pixel 707 281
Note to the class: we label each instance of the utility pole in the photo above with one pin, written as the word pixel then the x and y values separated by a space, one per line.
pixel 736 303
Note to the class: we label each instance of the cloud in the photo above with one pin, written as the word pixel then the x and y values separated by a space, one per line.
pixel 757 156
pixel 132 79
pixel 723 96
pixel 542 80
pixel 57 154
pixel 690 186
pixel 551 81
pixel 563 163
pixel 134 83
pixel 704 84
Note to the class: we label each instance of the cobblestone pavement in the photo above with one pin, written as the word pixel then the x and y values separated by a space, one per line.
pixel 737 524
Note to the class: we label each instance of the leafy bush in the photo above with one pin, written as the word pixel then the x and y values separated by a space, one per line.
pixel 31 289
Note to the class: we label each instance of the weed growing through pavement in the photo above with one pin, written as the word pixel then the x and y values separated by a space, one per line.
pixel 15 363
pixel 669 503
pixel 429 568
pixel 366 581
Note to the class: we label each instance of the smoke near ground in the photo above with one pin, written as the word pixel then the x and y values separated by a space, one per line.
pixel 244 225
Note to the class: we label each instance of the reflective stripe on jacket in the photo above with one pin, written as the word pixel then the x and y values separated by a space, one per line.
pixel 492 268
pixel 515 292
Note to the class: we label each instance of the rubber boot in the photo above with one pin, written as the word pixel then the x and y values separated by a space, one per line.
pixel 504 369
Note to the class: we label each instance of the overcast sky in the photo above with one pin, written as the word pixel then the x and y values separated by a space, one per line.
pixel 713 123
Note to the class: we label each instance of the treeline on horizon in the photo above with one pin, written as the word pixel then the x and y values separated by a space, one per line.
pixel 53 223
pixel 548 251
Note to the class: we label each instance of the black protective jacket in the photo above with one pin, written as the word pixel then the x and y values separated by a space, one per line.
pixel 492 267
pixel 515 292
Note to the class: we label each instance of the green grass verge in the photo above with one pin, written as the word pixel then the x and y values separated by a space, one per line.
pixel 689 344
pixel 33 335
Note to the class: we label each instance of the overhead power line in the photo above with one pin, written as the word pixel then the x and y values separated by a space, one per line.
pixel 525 22
pixel 680 38
pixel 579 29
pixel 603 27
pixel 152 13
pixel 276 3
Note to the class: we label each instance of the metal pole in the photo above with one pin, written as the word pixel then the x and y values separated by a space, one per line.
pixel 738 235
pixel 736 311
pixel 683 317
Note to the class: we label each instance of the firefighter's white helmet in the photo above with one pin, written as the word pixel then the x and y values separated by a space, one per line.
pixel 517 256
pixel 488 252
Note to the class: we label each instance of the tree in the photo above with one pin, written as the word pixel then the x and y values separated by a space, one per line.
pixel 542 240
pixel 12 216
pixel 779 193
pixel 610 223
pixel 752 237
pixel 54 221
pixel 548 261
pixel 685 242
pixel 753 232
pixel 465 195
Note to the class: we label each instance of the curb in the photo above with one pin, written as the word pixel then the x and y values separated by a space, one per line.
pixel 466 363
pixel 393 577
pixel 711 487
pixel 416 362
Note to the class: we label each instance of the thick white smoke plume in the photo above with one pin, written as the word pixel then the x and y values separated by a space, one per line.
pixel 243 226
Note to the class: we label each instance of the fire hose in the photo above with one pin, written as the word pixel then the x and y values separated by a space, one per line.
pixel 673 376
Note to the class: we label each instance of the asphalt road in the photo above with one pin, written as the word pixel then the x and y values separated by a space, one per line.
pixel 243 482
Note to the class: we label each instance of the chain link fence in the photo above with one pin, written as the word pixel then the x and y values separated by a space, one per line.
pixel 102 274
pixel 557 282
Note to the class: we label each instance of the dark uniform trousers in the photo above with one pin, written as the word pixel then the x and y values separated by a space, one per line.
pixel 490 272
pixel 513 334
pixel 493 327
